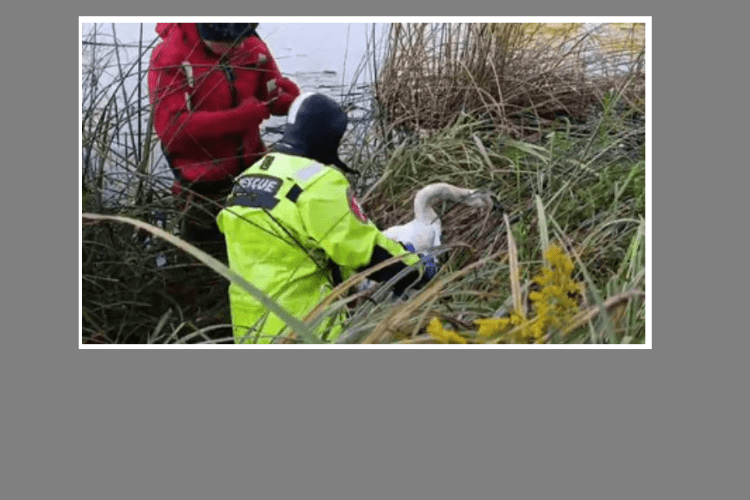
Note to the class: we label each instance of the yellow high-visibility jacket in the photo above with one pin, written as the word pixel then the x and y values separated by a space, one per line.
pixel 289 223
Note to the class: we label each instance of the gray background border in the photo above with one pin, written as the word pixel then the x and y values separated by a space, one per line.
pixel 661 423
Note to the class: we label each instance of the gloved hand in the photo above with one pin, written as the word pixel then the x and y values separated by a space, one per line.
pixel 281 94
pixel 415 278
pixel 287 86
pixel 428 261
pixel 430 265
pixel 255 110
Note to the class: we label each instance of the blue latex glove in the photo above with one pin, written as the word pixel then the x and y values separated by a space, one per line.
pixel 430 266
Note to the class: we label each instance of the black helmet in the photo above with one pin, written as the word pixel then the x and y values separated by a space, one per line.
pixel 315 126
pixel 225 32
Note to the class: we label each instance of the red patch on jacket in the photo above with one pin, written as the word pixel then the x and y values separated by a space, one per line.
pixel 355 206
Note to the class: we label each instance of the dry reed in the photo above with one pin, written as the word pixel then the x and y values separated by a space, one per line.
pixel 520 76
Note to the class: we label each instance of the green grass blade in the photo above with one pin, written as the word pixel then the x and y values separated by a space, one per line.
pixel 543 234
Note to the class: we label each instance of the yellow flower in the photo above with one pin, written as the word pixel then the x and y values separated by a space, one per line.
pixel 436 330
pixel 559 261
pixel 517 318
pixel 492 326
pixel 552 303
pixel 524 331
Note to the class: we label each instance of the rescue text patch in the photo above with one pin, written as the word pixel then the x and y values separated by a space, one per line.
pixel 259 184
pixel 256 191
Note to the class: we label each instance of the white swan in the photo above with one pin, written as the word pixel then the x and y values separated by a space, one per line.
pixel 425 230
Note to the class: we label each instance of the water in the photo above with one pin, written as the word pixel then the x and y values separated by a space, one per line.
pixel 318 57
pixel 323 57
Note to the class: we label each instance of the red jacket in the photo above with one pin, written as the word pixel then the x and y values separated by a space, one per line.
pixel 208 114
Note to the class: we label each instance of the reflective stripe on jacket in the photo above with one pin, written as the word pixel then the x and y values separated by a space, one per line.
pixel 288 219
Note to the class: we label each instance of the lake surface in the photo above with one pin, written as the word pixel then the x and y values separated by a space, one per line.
pixel 312 54
pixel 318 57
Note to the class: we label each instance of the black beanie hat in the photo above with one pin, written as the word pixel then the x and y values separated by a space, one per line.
pixel 315 125
pixel 225 32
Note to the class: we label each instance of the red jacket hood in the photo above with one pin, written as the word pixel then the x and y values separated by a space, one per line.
pixel 187 36
pixel 188 31
pixel 163 28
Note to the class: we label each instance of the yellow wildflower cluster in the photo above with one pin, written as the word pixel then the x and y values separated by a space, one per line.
pixel 516 328
pixel 436 330
pixel 493 326
pixel 553 302
pixel 553 305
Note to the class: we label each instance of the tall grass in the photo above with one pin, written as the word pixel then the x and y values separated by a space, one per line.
pixel 127 296
pixel 582 191
pixel 510 109
pixel 519 76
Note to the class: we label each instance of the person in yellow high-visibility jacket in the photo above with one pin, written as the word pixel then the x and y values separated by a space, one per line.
pixel 294 228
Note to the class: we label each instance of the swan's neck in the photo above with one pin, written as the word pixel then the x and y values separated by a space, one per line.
pixel 428 195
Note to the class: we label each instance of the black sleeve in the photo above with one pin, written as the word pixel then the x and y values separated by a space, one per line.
pixel 415 277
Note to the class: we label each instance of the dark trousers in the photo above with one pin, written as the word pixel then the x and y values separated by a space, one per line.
pixel 199 205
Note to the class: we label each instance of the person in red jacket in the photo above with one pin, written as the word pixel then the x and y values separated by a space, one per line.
pixel 211 85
